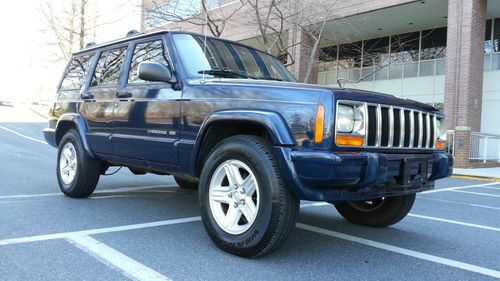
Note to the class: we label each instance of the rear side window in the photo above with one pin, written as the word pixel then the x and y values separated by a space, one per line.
pixel 149 51
pixel 108 67
pixel 77 70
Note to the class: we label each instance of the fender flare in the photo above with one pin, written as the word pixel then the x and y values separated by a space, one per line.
pixel 273 122
pixel 81 126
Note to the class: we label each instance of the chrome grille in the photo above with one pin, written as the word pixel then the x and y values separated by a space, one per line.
pixel 399 127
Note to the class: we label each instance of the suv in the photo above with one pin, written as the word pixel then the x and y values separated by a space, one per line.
pixel 231 121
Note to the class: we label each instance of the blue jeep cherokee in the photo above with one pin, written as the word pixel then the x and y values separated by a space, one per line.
pixel 231 121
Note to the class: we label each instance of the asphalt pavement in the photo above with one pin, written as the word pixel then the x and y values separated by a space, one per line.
pixel 147 228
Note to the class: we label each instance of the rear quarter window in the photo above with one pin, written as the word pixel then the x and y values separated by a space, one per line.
pixel 76 72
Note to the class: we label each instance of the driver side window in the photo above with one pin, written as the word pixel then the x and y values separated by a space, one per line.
pixel 152 51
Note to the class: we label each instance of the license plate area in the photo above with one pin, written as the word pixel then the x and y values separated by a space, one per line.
pixel 413 171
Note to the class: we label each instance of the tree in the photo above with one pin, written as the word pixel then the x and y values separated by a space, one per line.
pixel 194 12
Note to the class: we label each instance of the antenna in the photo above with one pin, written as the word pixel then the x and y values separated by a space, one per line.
pixel 206 4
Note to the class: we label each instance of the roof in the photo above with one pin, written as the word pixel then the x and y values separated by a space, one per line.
pixel 145 35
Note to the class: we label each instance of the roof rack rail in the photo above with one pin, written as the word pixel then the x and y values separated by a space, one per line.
pixel 89 45
pixel 133 32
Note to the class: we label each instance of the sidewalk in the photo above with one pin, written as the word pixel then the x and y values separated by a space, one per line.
pixel 491 174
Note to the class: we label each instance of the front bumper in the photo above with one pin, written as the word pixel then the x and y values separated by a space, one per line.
pixel 327 176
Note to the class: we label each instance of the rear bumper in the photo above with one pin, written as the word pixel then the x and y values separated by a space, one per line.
pixel 50 136
pixel 327 176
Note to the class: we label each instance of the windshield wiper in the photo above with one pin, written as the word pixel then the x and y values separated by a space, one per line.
pixel 269 78
pixel 226 73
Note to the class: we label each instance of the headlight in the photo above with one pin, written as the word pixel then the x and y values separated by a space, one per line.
pixel 345 118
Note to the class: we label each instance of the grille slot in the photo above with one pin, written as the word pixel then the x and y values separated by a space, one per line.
pixel 393 126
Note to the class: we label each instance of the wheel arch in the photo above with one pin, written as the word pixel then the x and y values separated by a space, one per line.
pixel 73 121
pixel 223 124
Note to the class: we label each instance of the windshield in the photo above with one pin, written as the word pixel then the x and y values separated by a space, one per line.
pixel 225 59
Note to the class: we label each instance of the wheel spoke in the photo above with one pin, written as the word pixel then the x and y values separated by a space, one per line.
pixel 249 210
pixel 65 169
pixel 67 154
pixel 232 217
pixel 220 194
pixel 249 185
pixel 233 174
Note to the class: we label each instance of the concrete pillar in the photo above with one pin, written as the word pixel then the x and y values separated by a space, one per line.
pixel 464 64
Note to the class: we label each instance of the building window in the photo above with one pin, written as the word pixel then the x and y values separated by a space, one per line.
pixel 433 44
pixel 488 40
pixel 172 11
pixel 496 35
pixel 376 52
pixel 214 4
pixel 404 47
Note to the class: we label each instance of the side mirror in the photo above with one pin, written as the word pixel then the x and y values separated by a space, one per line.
pixel 155 72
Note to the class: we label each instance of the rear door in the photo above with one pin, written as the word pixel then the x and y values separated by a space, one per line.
pixel 99 98
pixel 146 119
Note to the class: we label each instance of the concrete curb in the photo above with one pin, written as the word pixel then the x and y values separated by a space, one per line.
pixel 476 178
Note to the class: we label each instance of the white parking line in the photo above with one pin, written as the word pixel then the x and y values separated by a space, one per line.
pixel 114 259
pixel 459 187
pixel 455 222
pixel 95 231
pixel 476 193
pixel 21 135
pixel 459 203
pixel 111 190
pixel 403 251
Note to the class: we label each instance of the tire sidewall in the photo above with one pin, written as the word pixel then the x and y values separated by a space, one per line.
pixel 262 171
pixel 72 137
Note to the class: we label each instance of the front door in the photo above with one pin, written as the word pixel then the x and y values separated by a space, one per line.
pixel 146 117
pixel 99 99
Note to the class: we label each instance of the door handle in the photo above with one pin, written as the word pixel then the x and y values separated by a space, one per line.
pixel 124 95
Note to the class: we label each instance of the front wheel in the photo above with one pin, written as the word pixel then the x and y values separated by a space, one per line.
pixel 246 208
pixel 380 212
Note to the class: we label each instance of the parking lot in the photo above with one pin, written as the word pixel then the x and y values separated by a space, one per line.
pixel 146 228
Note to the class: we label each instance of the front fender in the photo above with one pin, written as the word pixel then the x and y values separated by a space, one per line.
pixel 274 123
pixel 76 121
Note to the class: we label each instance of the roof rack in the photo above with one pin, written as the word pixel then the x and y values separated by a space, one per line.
pixel 133 32
pixel 89 45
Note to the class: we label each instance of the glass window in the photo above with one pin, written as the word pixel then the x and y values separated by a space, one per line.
pixel 228 60
pixel 213 4
pixel 108 67
pixel 152 51
pixel 76 72
pixel 404 47
pixel 427 68
pixel 328 54
pixel 441 67
pixel 496 35
pixel 411 69
pixel 495 62
pixel 433 44
pixel 488 42
pixel 172 11
pixel 395 71
pixel 375 51
pixel 350 55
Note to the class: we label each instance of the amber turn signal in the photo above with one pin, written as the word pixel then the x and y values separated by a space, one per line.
pixel 320 124
pixel 441 144
pixel 350 140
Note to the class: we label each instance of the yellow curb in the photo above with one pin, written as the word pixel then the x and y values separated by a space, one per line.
pixel 475 178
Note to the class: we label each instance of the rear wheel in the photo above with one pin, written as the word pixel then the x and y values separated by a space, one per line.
pixel 246 208
pixel 185 184
pixel 77 173
pixel 379 212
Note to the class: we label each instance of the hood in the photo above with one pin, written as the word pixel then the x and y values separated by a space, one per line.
pixel 338 93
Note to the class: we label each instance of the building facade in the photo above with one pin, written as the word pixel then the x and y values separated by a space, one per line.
pixel 441 52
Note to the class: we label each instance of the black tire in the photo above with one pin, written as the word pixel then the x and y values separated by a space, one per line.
pixel 186 184
pixel 88 169
pixel 277 208
pixel 380 213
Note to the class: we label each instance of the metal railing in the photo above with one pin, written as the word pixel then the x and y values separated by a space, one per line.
pixel 484 147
